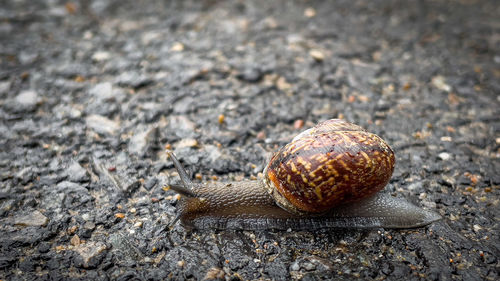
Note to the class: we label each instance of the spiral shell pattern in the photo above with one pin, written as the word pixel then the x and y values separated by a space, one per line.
pixel 333 163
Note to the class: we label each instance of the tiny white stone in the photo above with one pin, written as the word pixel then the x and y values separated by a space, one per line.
pixel 102 91
pixel 440 83
pixel 101 56
pixel 27 98
pixel 102 125
pixel 444 156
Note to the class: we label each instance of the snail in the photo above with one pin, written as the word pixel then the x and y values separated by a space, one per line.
pixel 328 176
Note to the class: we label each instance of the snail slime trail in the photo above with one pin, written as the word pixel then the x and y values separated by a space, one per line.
pixel 328 176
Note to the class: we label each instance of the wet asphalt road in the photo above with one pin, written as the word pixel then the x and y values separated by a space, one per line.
pixel 93 91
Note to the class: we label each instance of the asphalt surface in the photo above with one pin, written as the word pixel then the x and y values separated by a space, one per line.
pixel 93 91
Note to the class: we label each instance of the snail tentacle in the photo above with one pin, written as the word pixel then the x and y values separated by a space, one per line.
pixel 186 188
pixel 182 190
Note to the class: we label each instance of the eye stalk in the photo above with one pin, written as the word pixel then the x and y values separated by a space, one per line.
pixel 186 188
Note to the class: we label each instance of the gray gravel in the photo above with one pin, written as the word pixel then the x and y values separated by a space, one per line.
pixel 92 91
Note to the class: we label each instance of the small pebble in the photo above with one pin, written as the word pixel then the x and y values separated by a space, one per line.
pixel 102 91
pixel 151 183
pixel 444 156
pixel 4 87
pixel 299 123
pixel 102 125
pixel 71 7
pixel 221 119
pixel 177 47
pixel 440 83
pixel 187 143
pixel 250 74
pixel 88 252
pixel 310 12
pixel 35 218
pixel 75 240
pixel 79 79
pixel 139 142
pixel 120 215
pixel 44 247
pixel 101 56
pixel 309 266
pixel 415 185
pixel 214 273
pixel 77 173
pixel 261 135
pixel 27 99
pixel 282 84
pixel 89 225
pixel 317 55
pixel 72 229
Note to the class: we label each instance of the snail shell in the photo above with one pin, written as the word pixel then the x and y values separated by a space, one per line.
pixel 331 164
pixel 327 176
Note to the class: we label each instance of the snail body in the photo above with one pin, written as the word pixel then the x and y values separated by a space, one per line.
pixel 327 176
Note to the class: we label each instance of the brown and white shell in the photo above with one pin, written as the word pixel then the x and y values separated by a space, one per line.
pixel 331 164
